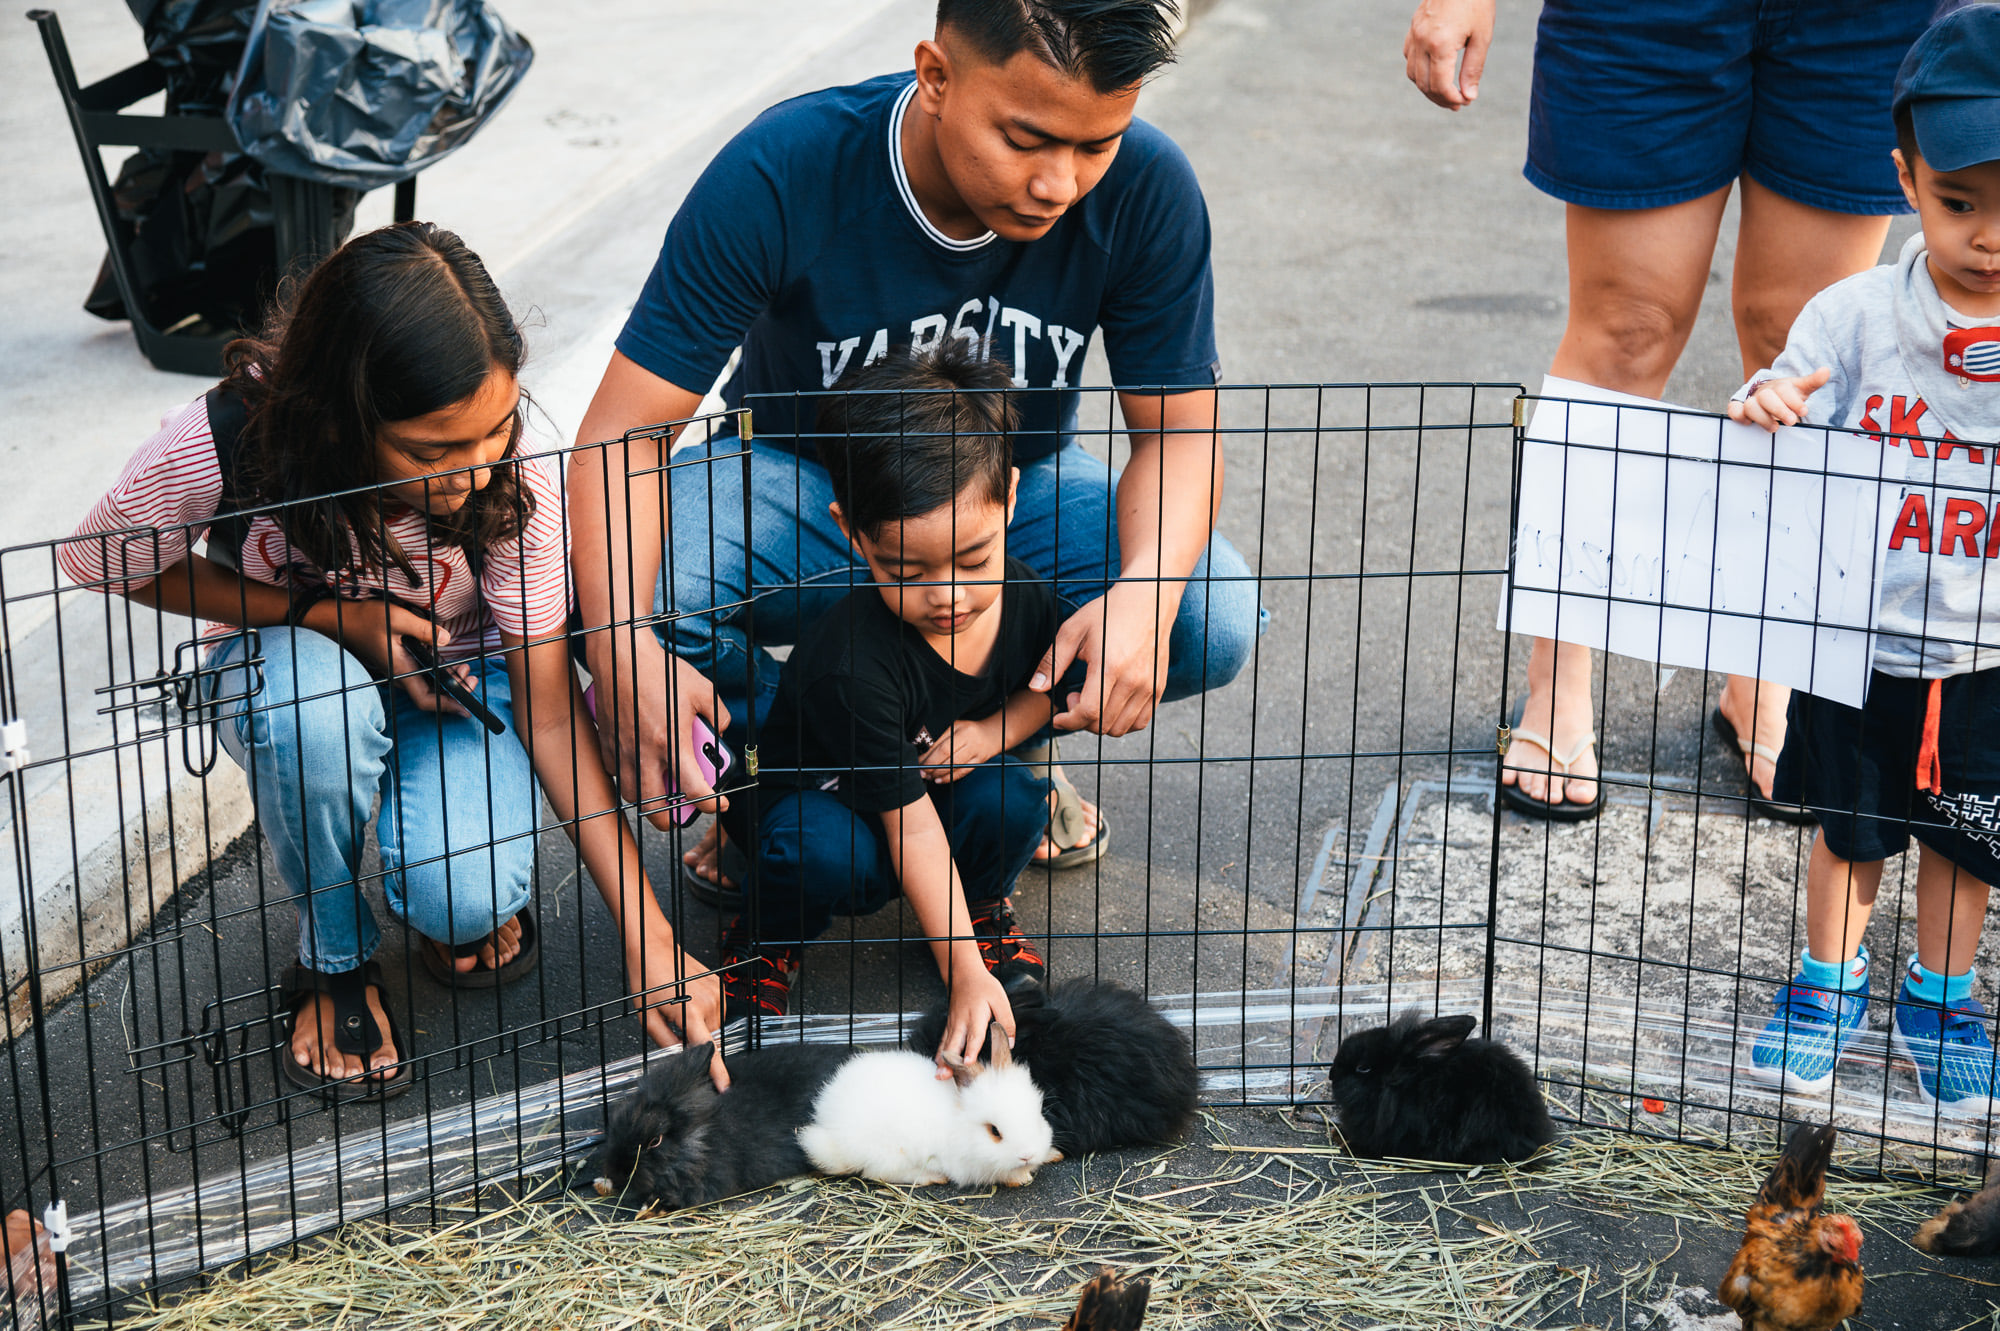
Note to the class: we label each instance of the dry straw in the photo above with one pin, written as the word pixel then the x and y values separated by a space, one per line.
pixel 1233 1235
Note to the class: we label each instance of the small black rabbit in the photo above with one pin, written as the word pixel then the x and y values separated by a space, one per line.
pixel 1420 1090
pixel 1113 1071
pixel 1969 1228
pixel 675 1142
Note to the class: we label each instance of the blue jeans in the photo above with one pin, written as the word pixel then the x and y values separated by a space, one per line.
pixel 817 858
pixel 796 564
pixel 322 738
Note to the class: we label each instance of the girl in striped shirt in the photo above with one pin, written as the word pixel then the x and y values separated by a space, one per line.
pixel 374 497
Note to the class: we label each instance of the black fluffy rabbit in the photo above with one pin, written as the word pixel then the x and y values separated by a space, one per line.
pixel 1113 1071
pixel 676 1142
pixel 1422 1091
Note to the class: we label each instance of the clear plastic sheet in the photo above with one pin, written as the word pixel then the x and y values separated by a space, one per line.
pixel 1625 1055
pixel 363 93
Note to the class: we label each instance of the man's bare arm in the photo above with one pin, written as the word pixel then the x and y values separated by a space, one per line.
pixel 618 530
pixel 1168 497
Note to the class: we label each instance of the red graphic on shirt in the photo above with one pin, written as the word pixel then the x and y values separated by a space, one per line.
pixel 1973 353
pixel 1906 419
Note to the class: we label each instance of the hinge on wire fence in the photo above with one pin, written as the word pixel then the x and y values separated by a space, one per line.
pixel 743 430
pixel 13 745
pixel 55 1219
pixel 189 684
pixel 750 759
pixel 1503 735
pixel 1521 412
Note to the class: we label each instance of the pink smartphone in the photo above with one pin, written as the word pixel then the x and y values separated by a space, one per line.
pixel 711 755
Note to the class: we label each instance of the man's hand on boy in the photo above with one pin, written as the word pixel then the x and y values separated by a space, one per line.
pixel 1122 638
pixel 966 745
pixel 1776 403
pixel 977 1000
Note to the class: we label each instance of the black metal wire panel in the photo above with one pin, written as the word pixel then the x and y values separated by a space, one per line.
pixel 1295 853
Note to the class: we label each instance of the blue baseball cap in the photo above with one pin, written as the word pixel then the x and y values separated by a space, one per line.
pixel 1950 80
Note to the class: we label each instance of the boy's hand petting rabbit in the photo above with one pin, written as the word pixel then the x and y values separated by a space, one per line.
pixel 883 1116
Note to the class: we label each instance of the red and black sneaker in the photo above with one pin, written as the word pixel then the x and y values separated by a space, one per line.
pixel 756 980
pixel 1001 945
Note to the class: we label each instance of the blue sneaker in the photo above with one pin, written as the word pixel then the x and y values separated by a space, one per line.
pixel 1951 1050
pixel 1808 1033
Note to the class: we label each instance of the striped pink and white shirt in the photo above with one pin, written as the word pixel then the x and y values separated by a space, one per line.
pixel 163 500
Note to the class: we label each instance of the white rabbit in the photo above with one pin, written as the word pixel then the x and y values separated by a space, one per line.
pixel 887 1117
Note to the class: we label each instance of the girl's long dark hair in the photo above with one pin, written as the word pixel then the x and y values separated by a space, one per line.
pixel 395 324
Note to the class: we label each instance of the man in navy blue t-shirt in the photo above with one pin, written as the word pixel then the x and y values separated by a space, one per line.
pixel 1001 192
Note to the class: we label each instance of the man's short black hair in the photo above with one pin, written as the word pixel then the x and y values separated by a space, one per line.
pixel 1112 43
pixel 910 433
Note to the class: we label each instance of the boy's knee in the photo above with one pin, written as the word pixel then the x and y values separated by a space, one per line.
pixel 1023 806
pixel 819 857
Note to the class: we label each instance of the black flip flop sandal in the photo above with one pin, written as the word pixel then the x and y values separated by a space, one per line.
pixel 1797 815
pixel 1555 811
pixel 735 866
pixel 354 1032
pixel 482 976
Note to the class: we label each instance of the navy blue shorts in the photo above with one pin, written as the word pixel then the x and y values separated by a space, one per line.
pixel 1857 770
pixel 1644 103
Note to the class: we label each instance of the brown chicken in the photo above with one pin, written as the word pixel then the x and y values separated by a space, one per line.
pixel 1797 1270
pixel 1110 1304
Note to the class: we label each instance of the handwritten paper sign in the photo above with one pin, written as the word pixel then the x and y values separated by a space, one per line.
pixel 1676 537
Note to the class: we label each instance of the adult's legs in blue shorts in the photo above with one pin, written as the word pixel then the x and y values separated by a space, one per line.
pixel 1792 105
pixel 1636 282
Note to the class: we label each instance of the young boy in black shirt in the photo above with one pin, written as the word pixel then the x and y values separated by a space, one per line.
pixel 884 764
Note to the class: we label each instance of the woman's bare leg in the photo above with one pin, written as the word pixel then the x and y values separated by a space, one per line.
pixel 1787 252
pixel 1635 283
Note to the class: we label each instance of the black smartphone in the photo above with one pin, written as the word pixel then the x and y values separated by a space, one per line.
pixel 447 684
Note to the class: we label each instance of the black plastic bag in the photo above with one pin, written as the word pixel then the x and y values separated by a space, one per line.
pixel 199 43
pixel 203 249
pixel 363 93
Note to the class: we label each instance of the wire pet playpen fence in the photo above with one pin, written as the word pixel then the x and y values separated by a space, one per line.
pixel 1295 853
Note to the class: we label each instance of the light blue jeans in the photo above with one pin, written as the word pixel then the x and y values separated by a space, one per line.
pixel 322 738
pixel 794 564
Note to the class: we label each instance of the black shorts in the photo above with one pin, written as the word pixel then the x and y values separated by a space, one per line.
pixel 1857 770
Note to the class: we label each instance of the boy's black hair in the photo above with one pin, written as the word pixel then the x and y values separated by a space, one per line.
pixel 916 429
pixel 1112 43
pixel 1906 137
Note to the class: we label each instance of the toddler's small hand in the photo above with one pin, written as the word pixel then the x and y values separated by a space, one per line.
pixel 1779 402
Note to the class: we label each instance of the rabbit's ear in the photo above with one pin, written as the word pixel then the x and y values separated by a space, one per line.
pixel 701 1055
pixel 1440 1035
pixel 998 1055
pixel 962 1072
